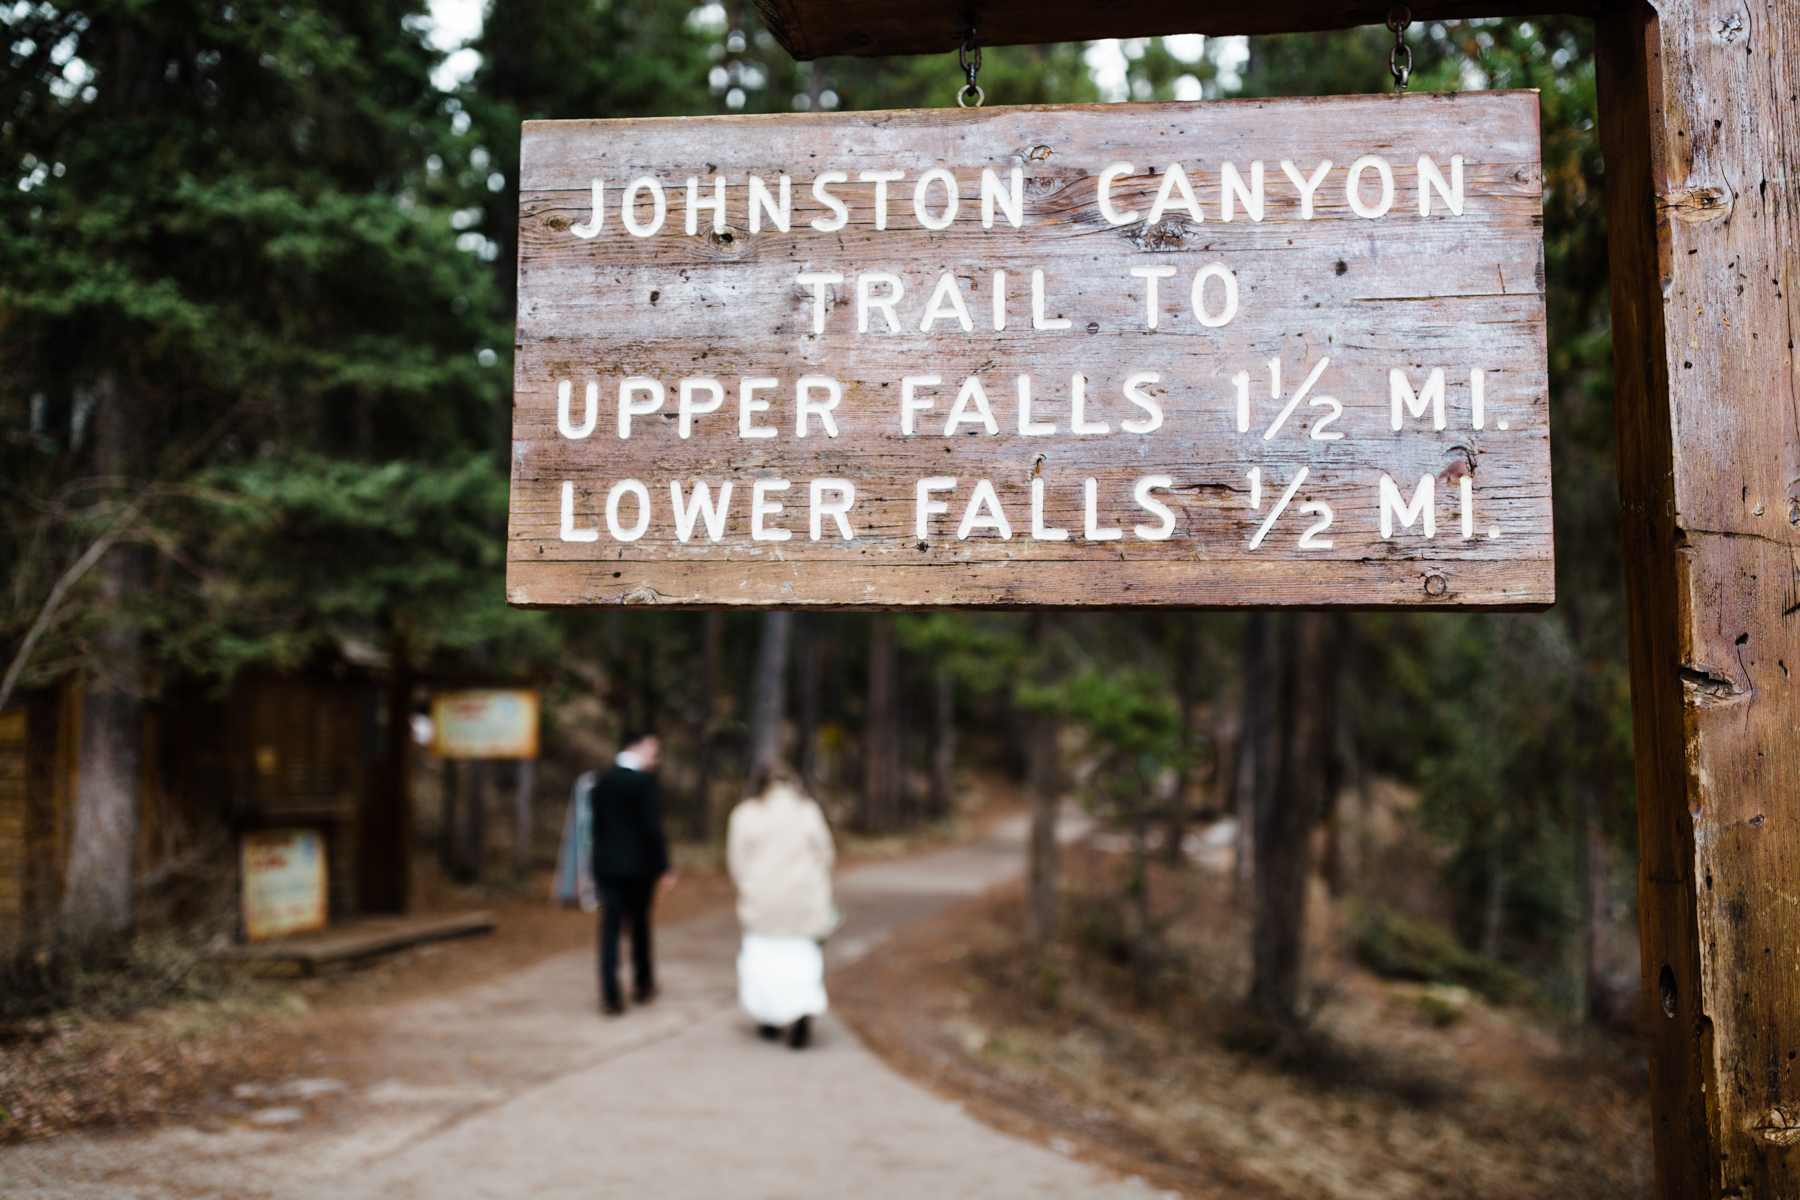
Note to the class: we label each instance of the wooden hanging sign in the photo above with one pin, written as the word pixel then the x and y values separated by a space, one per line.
pixel 1269 353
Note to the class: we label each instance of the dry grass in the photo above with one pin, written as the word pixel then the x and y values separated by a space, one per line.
pixel 1383 1095
pixel 177 1052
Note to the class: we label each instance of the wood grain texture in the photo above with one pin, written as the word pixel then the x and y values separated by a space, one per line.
pixel 818 28
pixel 1400 291
pixel 1698 109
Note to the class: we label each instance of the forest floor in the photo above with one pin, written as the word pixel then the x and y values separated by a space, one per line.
pixel 1396 1090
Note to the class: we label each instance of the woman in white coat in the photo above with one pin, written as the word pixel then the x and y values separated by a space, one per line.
pixel 780 853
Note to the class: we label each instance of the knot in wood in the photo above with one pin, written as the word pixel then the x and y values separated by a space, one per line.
pixel 1165 235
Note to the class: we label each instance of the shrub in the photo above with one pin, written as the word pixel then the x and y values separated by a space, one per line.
pixel 1401 947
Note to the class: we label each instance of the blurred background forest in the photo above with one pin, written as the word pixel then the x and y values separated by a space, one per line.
pixel 256 312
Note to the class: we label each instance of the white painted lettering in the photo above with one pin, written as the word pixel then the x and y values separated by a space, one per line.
pixel 1152 307
pixel 762 508
pixel 659 207
pixel 825 409
pixel 638 385
pixel 1432 179
pixel 565 395
pixel 1423 504
pixel 749 404
pixel 1114 216
pixel 925 506
pixel 1307 185
pixel 821 190
pixel 569 532
pixel 1009 200
pixel 983 512
pixel 1401 396
pixel 641 496
pixel 837 508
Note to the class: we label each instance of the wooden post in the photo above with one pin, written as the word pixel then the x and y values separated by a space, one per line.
pixel 1702 141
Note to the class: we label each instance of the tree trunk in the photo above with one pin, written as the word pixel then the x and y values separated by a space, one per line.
pixel 649 697
pixel 943 744
pixel 1143 933
pixel 1493 913
pixel 768 705
pixel 881 737
pixel 712 652
pixel 1591 1000
pixel 1338 763
pixel 385 838
pixel 1042 784
pixel 1186 692
pixel 810 664
pixel 1294 736
pixel 474 847
pixel 448 826
pixel 522 794
pixel 98 887
pixel 1256 715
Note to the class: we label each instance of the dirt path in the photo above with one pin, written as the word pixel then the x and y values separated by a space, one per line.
pixel 517 1088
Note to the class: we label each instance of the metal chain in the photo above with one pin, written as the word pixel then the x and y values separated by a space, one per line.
pixel 968 59
pixel 1400 57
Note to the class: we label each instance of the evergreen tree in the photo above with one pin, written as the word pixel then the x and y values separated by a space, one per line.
pixel 252 361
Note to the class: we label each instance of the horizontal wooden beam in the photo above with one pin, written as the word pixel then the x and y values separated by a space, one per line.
pixel 820 28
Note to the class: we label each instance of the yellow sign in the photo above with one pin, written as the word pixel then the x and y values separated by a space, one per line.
pixel 485 724
pixel 284 882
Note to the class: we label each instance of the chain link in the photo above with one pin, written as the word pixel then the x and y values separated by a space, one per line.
pixel 1400 60
pixel 968 60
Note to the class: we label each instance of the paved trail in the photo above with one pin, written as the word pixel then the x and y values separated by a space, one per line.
pixel 516 1088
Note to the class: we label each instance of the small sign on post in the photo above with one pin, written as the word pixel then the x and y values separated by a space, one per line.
pixel 485 723
pixel 1267 353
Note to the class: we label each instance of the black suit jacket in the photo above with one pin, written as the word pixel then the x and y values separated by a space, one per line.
pixel 628 826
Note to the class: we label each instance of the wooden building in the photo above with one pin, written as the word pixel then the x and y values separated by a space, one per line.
pixel 325 751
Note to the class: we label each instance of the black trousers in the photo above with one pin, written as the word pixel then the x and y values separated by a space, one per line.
pixel 626 902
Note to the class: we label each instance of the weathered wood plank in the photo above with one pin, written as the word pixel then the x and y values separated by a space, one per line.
pixel 363 938
pixel 1317 284
pixel 1699 120
pixel 818 28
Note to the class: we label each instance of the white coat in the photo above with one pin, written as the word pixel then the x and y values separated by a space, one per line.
pixel 779 851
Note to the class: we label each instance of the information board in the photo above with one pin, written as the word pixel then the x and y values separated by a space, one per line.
pixel 485 723
pixel 283 874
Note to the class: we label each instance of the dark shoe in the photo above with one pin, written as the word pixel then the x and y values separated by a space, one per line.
pixel 644 995
pixel 768 1033
pixel 613 1009
pixel 800 1033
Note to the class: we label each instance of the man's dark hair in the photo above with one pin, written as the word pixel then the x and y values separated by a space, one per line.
pixel 632 737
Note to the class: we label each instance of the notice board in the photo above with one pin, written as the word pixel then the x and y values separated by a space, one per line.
pixel 284 882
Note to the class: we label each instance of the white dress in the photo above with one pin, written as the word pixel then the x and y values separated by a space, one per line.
pixel 781 979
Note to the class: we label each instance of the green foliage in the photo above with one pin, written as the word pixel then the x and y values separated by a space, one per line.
pixel 307 552
pixel 1399 947
pixel 985 655
pixel 1127 713
pixel 225 228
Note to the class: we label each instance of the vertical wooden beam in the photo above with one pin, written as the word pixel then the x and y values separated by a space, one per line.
pixel 1700 113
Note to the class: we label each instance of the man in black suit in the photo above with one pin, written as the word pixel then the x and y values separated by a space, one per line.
pixel 631 857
